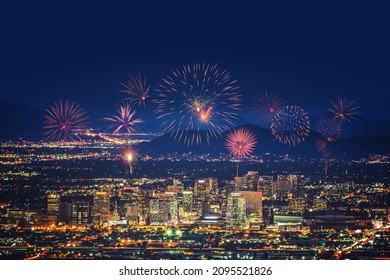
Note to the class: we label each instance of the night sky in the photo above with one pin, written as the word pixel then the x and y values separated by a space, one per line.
pixel 307 54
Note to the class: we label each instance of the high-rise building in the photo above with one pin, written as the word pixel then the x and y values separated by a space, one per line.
pixel 53 203
pixel 205 187
pixel 163 209
pixel 253 205
pixel 266 186
pixel 131 213
pixel 101 207
pixel 320 203
pixel 297 205
pixel 185 200
pixel 236 210
pixel 250 181
pixel 284 185
pixel 80 213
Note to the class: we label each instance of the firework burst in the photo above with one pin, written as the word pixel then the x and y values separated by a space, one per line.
pixel 344 110
pixel 124 120
pixel 197 101
pixel 129 158
pixel 63 121
pixel 240 142
pixel 290 125
pixel 267 105
pixel 329 128
pixel 136 88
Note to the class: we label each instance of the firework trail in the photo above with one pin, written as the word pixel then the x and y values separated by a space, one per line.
pixel 240 142
pixel 137 89
pixel 329 128
pixel 197 101
pixel 344 110
pixel 63 121
pixel 290 125
pixel 267 105
pixel 124 120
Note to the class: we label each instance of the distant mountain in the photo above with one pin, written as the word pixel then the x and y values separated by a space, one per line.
pixel 361 137
pixel 360 126
pixel 349 147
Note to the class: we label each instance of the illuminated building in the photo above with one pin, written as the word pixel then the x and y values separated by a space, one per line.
pixel 253 205
pixel 250 181
pixel 131 213
pixel 266 186
pixel 297 205
pixel 319 204
pixel 236 210
pixel 176 186
pixel 284 185
pixel 53 203
pixel 185 200
pixel 163 209
pixel 204 187
pixel 80 213
pixel 101 207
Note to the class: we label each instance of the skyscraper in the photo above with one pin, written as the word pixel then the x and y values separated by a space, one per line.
pixel 266 186
pixel 101 207
pixel 80 213
pixel 250 181
pixel 53 203
pixel 236 210
pixel 253 205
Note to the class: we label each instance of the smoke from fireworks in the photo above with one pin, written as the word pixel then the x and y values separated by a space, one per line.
pixel 267 105
pixel 290 125
pixel 197 98
pixel 63 120
pixel 329 128
pixel 344 110
pixel 240 142
pixel 124 120
pixel 136 88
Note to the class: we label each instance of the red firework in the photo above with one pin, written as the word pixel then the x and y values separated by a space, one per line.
pixel 329 128
pixel 136 88
pixel 63 121
pixel 344 110
pixel 124 120
pixel 240 142
pixel 268 104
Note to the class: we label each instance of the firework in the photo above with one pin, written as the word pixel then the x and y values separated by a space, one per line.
pixel 124 120
pixel 197 101
pixel 344 110
pixel 136 88
pixel 290 125
pixel 63 121
pixel 267 105
pixel 240 142
pixel 329 128
pixel 129 157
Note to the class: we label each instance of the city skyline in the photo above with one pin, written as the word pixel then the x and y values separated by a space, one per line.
pixel 217 131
